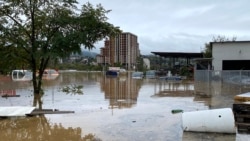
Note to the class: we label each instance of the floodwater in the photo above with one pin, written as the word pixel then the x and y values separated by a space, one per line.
pixel 113 109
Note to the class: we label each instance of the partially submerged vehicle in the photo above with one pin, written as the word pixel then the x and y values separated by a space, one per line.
pixel 50 74
pixel 150 74
pixel 137 75
pixel 122 71
pixel 21 75
pixel 26 75
pixel 112 73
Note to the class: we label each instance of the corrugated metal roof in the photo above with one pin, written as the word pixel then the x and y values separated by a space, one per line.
pixel 179 54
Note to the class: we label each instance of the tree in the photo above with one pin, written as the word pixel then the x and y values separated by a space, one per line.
pixel 208 50
pixel 221 38
pixel 37 31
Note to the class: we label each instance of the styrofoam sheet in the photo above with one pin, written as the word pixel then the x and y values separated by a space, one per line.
pixel 15 111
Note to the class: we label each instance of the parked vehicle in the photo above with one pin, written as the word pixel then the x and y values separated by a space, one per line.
pixel 137 75
pixel 50 74
pixel 112 73
pixel 26 75
pixel 150 74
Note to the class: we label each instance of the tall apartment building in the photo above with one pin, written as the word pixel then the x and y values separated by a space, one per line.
pixel 122 49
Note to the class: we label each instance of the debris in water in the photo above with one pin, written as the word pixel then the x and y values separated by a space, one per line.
pixel 175 111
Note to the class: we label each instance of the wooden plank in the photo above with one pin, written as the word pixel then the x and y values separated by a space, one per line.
pixel 242 115
pixel 48 111
pixel 44 109
pixel 241 108
pixel 243 128
pixel 242 124
pixel 5 96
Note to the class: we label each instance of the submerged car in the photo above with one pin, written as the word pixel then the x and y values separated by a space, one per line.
pixel 151 74
pixel 137 75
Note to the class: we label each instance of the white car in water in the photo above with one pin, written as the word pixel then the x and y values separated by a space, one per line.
pixel 21 75
pixel 137 75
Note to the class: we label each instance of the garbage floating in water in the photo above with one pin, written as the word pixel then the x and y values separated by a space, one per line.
pixel 175 111
pixel 216 120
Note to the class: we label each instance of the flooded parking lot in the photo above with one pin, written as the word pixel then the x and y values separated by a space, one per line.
pixel 114 109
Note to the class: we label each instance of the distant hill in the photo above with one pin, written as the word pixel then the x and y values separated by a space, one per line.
pixel 89 54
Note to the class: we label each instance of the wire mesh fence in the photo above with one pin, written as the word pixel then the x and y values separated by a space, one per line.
pixel 238 77
pixel 214 82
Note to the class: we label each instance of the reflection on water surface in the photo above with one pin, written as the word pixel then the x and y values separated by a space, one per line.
pixel 39 128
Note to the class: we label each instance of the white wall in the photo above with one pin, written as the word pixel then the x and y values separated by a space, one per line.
pixel 229 51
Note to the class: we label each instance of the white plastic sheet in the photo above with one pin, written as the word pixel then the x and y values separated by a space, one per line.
pixel 15 111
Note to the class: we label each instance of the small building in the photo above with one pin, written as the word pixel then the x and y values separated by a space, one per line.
pixel 231 55
pixel 230 63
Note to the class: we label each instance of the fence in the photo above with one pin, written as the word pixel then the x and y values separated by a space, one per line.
pixel 213 82
pixel 239 77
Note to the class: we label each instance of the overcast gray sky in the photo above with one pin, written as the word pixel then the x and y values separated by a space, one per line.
pixel 178 25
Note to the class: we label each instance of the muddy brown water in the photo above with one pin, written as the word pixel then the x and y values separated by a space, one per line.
pixel 114 109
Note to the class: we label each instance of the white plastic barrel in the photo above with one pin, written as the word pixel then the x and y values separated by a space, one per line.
pixel 216 120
